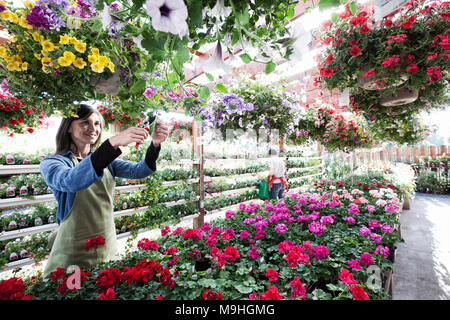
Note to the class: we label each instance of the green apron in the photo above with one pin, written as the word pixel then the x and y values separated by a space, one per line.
pixel 91 215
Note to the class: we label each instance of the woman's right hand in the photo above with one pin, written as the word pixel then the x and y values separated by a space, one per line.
pixel 129 135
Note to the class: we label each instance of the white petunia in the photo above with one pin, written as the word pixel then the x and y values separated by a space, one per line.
pixel 219 10
pixel 215 64
pixel 168 16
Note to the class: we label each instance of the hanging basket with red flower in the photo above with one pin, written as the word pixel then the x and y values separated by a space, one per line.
pixel 401 58
pixel 16 117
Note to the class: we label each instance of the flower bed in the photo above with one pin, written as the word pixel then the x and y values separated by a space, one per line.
pixel 312 246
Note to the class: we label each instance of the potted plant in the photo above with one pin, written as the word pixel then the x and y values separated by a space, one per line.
pixel 405 54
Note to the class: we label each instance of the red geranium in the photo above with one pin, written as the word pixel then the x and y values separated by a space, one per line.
pixel 13 289
pixel 209 295
pixel 355 51
pixel 94 243
pixel 359 293
pixel 272 275
pixel 272 294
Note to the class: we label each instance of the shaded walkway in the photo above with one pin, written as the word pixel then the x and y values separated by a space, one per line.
pixel 422 265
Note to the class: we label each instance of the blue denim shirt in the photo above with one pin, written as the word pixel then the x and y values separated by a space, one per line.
pixel 65 179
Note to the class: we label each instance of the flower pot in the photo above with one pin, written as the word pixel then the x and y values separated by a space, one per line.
pixel 367 83
pixel 403 97
pixel 406 203
pixel 106 86
pixel 115 127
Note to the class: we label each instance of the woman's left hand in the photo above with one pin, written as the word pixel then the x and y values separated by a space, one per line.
pixel 160 133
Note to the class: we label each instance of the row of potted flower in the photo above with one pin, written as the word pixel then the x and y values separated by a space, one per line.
pixel 311 245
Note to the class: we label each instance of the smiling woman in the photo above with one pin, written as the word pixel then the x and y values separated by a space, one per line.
pixel 82 178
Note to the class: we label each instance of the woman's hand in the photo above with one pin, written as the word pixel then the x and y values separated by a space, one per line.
pixel 160 133
pixel 129 135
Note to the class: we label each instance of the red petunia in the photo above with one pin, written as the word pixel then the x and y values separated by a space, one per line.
pixel 330 58
pixel 326 72
pixel 364 29
pixel 369 73
pixel 355 51
pixel 409 22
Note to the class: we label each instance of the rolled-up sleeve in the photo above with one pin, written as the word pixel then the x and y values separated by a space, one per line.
pixel 59 175
pixel 130 170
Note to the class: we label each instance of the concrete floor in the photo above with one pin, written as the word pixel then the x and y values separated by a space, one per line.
pixel 422 264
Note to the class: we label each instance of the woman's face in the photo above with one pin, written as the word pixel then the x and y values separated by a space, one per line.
pixel 86 131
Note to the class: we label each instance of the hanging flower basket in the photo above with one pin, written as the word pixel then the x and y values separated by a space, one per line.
pixel 370 81
pixel 403 97
pixel 115 127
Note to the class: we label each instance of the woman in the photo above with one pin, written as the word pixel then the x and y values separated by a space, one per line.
pixel 81 177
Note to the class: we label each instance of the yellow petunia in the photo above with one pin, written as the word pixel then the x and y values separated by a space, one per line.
pixel 24 66
pixel 37 56
pixel 45 53
pixel 95 51
pixel 92 58
pixel 80 47
pixel 11 66
pixel 3 52
pixel 36 36
pixel 111 67
pixel 64 62
pixel 69 56
pixel 64 39
pixel 24 24
pixel 104 61
pixel 73 40
pixel 48 46
pixel 79 63
pixel 96 67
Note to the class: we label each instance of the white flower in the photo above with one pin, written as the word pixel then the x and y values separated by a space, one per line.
pixel 138 41
pixel 215 63
pixel 219 10
pixel 106 18
pixel 168 16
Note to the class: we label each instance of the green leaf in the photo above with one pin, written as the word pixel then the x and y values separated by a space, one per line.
pixel 195 13
pixel 243 17
pixel 209 76
pixel 204 93
pixel 138 86
pixel 221 87
pixel 243 289
pixel 246 58
pixel 353 7
pixel 97 26
pixel 334 17
pixel 154 47
pixel 326 4
pixel 290 12
pixel 235 37
pixel 270 67
pixel 100 96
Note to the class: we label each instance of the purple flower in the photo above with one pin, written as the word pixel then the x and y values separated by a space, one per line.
pixel 321 252
pixel 244 234
pixel 364 231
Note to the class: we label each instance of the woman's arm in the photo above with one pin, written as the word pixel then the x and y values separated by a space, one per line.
pixel 60 174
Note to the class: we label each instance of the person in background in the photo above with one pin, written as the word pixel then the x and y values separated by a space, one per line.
pixel 276 179
pixel 81 175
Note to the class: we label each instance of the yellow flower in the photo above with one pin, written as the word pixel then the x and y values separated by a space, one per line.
pixel 19 47
pixel 36 36
pixel 29 4
pixel 80 47
pixel 64 39
pixel 24 24
pixel 37 56
pixel 46 59
pixel 3 52
pixel 69 56
pixel 11 66
pixel 64 62
pixel 96 67
pixel 73 40
pixel 48 46
pixel 95 51
pixel 92 58
pixel 45 69
pixel 24 66
pixel 104 61
pixel 111 67
pixel 13 39
pixel 79 63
